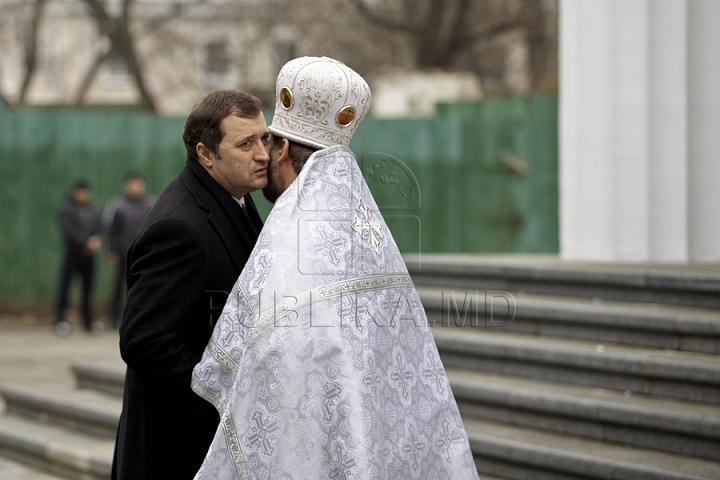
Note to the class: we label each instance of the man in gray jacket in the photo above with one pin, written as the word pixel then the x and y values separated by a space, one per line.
pixel 122 219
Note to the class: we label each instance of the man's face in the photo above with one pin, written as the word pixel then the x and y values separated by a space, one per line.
pixel 135 187
pixel 241 164
pixel 81 195
pixel 275 186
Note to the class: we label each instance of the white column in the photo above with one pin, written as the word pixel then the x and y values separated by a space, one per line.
pixel 640 130
pixel 586 130
pixel 604 127
pixel 704 129
pixel 667 140
pixel 629 121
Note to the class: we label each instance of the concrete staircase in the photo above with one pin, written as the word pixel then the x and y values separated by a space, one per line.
pixel 606 372
pixel 68 432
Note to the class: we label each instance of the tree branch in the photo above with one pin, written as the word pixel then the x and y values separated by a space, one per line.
pixel 31 49
pixel 118 31
pixel 3 100
pixel 380 21
pixel 177 10
pixel 90 76
pixel 462 42
pixel 429 51
pixel 125 15
pixel 105 22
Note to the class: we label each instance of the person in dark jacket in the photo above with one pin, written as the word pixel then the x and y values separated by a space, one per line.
pixel 190 251
pixel 122 219
pixel 81 226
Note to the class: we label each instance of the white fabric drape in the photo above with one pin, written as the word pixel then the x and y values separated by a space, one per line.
pixel 322 364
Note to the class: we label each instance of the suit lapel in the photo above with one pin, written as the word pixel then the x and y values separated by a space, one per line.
pixel 237 245
pixel 253 213
pixel 238 242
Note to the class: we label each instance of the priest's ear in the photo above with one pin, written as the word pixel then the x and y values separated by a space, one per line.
pixel 284 151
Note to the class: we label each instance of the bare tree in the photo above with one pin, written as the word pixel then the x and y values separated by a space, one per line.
pixel 3 100
pixel 31 48
pixel 122 45
pixel 441 33
pixel 90 76
pixel 137 33
pixel 439 29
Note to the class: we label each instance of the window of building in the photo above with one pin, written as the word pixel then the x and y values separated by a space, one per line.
pixel 285 50
pixel 217 57
pixel 216 63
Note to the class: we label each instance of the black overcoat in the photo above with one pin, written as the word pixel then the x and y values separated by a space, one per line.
pixel 181 267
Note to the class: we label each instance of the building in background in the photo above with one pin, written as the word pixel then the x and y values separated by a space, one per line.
pixel 415 94
pixel 181 52
pixel 164 55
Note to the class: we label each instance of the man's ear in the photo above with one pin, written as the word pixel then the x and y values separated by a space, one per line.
pixel 284 154
pixel 204 155
pixel 285 165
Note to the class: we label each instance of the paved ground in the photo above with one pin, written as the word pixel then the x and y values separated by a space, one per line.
pixel 32 355
pixel 35 355
pixel 14 471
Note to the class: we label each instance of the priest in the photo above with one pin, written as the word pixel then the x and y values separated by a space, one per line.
pixel 322 364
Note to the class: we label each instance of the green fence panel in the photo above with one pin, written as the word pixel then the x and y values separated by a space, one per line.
pixel 486 171
pixel 478 177
pixel 42 153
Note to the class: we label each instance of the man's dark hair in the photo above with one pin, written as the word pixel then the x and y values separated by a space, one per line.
pixel 81 184
pixel 298 152
pixel 134 176
pixel 203 125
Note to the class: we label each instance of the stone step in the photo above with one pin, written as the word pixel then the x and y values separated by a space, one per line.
pixel 521 453
pixel 674 426
pixel 683 375
pixel 54 449
pixel 651 325
pixel 102 377
pixel 694 285
pixel 86 412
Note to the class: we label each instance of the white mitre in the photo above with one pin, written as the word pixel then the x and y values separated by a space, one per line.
pixel 320 102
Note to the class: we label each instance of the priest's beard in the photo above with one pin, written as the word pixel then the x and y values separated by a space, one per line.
pixel 274 187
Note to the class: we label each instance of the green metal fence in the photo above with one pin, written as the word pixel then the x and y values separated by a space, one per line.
pixel 42 153
pixel 479 177
pixel 486 171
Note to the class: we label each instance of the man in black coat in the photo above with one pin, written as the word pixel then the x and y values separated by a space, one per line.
pixel 186 258
pixel 81 226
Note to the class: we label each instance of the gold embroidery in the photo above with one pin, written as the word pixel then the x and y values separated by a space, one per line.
pixel 234 447
pixel 222 357
pixel 318 294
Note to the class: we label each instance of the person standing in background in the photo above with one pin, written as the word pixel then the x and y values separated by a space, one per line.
pixel 81 226
pixel 122 219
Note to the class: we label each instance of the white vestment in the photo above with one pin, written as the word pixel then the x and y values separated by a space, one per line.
pixel 322 364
